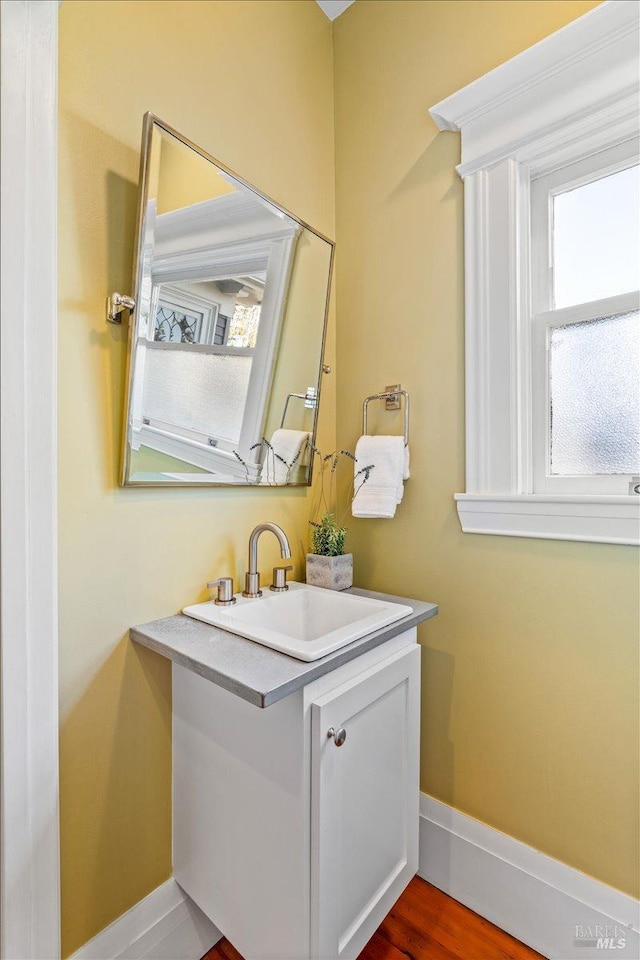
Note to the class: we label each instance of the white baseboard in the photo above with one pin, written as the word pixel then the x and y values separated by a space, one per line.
pixel 166 925
pixel 549 906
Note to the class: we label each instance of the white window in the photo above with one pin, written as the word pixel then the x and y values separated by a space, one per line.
pixel 552 258
pixel 585 324
pixel 183 317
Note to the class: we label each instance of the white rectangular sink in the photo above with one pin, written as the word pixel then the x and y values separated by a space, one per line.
pixel 305 622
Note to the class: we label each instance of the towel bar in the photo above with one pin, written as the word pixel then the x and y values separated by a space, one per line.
pixel 310 401
pixel 390 395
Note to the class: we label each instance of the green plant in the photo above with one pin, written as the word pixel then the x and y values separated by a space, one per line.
pixel 328 534
pixel 327 537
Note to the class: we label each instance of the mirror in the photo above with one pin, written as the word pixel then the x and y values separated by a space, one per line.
pixel 227 335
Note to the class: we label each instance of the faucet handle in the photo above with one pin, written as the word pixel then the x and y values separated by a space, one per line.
pixel 280 579
pixel 225 590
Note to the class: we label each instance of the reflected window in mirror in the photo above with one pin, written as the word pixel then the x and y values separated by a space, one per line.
pixel 231 305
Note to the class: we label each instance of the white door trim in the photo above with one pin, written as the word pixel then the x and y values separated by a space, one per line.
pixel 29 860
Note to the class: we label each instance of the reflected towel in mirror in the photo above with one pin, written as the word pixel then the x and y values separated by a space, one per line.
pixel 286 453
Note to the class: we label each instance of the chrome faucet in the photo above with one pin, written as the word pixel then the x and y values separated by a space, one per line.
pixel 252 577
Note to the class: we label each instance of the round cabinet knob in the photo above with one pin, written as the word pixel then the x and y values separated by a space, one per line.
pixel 338 736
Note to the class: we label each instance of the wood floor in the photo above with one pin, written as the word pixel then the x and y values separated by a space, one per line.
pixel 426 924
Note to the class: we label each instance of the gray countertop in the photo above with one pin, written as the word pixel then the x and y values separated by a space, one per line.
pixel 256 673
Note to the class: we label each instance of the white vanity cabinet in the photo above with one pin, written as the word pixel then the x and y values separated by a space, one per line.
pixel 297 847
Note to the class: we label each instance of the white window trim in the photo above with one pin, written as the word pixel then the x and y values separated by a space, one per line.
pixel 182 253
pixel 175 442
pixel 569 96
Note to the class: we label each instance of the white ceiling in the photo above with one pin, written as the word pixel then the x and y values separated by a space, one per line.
pixel 333 8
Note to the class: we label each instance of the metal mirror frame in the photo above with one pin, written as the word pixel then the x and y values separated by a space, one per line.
pixel 150 121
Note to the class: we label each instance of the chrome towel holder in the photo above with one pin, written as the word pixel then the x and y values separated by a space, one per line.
pixel 310 401
pixel 391 396
pixel 310 397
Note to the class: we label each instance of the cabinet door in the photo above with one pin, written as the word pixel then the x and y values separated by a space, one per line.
pixel 364 804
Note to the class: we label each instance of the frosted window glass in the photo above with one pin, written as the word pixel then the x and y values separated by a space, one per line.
pixel 202 392
pixel 595 397
pixel 596 239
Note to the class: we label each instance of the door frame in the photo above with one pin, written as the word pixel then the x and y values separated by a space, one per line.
pixel 29 794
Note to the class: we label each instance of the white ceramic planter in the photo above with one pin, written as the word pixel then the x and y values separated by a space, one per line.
pixel 332 573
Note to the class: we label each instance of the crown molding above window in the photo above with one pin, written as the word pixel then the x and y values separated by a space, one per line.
pixel 589 65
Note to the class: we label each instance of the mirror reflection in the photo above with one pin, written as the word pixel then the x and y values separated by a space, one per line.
pixel 228 332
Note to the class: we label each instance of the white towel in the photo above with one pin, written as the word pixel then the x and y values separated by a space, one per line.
pixel 287 446
pixel 382 492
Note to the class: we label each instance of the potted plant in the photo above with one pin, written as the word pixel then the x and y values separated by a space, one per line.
pixel 328 565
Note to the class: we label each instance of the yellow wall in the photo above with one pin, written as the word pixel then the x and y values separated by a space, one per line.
pixel 251 82
pixel 184 177
pixel 298 357
pixel 530 673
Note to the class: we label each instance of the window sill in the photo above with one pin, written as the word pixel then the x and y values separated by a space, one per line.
pixel 596 519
